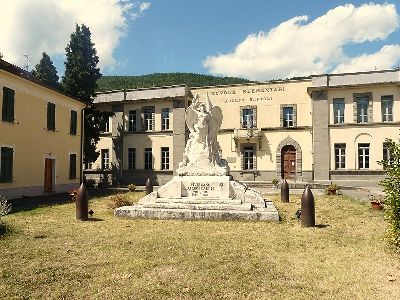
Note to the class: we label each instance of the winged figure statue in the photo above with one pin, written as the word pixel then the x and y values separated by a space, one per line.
pixel 202 154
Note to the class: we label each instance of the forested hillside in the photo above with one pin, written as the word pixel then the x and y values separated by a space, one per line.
pixel 107 83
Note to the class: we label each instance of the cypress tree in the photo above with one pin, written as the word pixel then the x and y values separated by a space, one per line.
pixel 45 71
pixel 79 81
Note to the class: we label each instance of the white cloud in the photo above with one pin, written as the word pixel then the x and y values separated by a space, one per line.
pixel 385 58
pixel 296 48
pixel 143 6
pixel 31 27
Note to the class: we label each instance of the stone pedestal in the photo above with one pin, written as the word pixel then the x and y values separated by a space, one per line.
pixel 202 197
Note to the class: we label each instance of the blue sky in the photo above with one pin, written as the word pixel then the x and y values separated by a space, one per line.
pixel 136 38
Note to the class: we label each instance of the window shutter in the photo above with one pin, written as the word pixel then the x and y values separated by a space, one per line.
pixel 6 164
pixel 11 95
pixel 153 120
pixel 255 116
pixel 143 127
pixel 241 118
pixel 8 105
pixel 74 118
pixel 72 166
pixel 51 116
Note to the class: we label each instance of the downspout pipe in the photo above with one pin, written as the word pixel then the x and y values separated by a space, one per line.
pixel 82 141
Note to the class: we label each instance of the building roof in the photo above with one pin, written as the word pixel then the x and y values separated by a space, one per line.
pixel 163 92
pixel 15 70
pixel 356 79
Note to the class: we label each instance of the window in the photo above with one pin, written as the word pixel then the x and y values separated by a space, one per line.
pixel 340 156
pixel 386 152
pixel 6 164
pixel 363 156
pixel 88 165
pixel 8 104
pixel 248 158
pixel 165 158
pixel 247 117
pixel 387 108
pixel 132 120
pixel 165 119
pixel 51 116
pixel 148 159
pixel 72 166
pixel 149 119
pixel 74 121
pixel 338 111
pixel 131 158
pixel 288 117
pixel 362 109
pixel 107 125
pixel 105 159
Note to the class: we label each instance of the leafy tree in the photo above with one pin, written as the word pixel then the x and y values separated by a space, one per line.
pixel 391 185
pixel 79 81
pixel 45 71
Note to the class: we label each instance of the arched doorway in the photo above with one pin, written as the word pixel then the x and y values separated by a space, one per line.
pixel 288 162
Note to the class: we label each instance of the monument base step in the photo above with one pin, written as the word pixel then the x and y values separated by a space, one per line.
pixel 199 206
pixel 209 200
pixel 138 211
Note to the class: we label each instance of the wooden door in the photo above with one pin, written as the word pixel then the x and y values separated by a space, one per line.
pixel 288 162
pixel 48 175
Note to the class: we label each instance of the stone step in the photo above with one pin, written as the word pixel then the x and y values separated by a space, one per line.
pixel 138 211
pixel 199 201
pixel 199 206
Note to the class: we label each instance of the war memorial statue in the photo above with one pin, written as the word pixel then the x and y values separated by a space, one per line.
pixel 203 188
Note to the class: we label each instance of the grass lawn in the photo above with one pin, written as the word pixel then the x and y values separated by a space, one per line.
pixel 50 255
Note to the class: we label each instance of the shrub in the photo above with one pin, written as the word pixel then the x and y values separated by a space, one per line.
pixel 73 193
pixel 132 187
pixel 331 189
pixel 5 208
pixel 275 182
pixel 90 183
pixel 118 201
pixel 391 187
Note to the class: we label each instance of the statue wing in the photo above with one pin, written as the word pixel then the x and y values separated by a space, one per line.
pixel 215 124
pixel 191 118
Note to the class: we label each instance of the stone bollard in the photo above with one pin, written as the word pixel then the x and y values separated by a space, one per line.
pixel 149 186
pixel 307 208
pixel 285 192
pixel 82 203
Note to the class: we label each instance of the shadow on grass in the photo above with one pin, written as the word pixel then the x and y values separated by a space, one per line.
pixel 322 225
pixel 31 203
pixel 95 220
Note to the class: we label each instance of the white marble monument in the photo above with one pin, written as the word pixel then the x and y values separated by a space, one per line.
pixel 203 188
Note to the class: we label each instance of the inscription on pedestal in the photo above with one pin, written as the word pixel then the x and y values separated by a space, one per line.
pixel 205 189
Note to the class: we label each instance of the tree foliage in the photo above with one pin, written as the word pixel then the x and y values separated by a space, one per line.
pixel 45 71
pixel 107 83
pixel 79 81
pixel 391 185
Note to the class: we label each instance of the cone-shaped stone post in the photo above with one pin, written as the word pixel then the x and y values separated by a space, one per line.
pixel 307 208
pixel 285 192
pixel 82 203
pixel 149 186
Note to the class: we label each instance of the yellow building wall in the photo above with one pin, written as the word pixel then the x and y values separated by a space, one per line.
pixel 154 139
pixel 374 134
pixel 267 97
pixel 377 93
pixel 31 140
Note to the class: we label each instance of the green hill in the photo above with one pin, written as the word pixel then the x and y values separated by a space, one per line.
pixel 107 83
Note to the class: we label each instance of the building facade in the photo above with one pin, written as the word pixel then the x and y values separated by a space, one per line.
pixel 40 136
pixel 316 129
pixel 146 136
